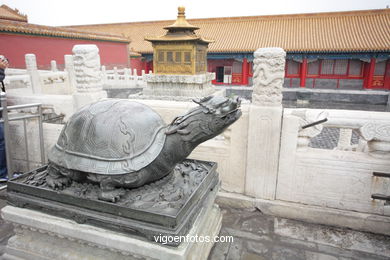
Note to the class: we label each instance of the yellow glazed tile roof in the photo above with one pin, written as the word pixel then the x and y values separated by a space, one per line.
pixel 367 30
pixel 8 13
pixel 7 26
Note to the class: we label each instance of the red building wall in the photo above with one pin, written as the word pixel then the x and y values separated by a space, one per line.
pixel 14 47
pixel 140 64
pixel 238 78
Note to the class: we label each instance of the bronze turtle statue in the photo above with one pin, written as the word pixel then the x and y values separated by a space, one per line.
pixel 121 143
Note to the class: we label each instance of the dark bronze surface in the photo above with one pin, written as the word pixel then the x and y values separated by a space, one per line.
pixel 168 206
pixel 122 144
pixel 381 174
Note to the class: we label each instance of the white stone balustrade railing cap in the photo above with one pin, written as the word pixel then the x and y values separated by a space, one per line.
pixel 85 48
pixel 270 52
pixel 375 131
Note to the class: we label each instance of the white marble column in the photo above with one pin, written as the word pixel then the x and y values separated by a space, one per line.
pixel 265 120
pixel 32 69
pixel 53 66
pixel 69 67
pixel 89 85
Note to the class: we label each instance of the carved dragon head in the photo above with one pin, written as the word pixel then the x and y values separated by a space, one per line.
pixel 213 115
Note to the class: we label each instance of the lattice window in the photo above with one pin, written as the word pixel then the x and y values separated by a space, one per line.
pixel 313 67
pixel 237 67
pixel 169 56
pixel 327 67
pixel 292 67
pixel 340 67
pixel 160 56
pixel 187 57
pixel 355 68
pixel 380 68
pixel 178 57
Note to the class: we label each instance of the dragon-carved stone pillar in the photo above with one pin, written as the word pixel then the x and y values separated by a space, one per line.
pixel 88 77
pixel 265 121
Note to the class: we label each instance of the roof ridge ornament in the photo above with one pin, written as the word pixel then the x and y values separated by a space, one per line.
pixel 181 21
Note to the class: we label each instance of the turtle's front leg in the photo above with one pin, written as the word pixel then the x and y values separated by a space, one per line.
pixel 108 190
pixel 56 178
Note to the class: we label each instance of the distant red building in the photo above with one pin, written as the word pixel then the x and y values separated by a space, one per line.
pixel 18 37
pixel 340 50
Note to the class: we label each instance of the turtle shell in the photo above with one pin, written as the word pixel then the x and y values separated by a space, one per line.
pixel 110 137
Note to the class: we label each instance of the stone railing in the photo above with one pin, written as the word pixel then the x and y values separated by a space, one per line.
pixel 344 177
pixel 122 79
pixel 18 83
pixel 13 72
pixel 34 81
pixel 357 130
pixel 55 82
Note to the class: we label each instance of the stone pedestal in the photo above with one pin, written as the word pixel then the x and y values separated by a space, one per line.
pixel 157 221
pixel 41 236
pixel 178 87
pixel 81 99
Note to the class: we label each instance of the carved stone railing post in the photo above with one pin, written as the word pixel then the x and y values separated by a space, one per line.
pixel 305 134
pixel 135 73
pixel 116 76
pixel 89 84
pixel 32 70
pixel 104 75
pixel 127 73
pixel 265 117
pixel 53 66
pixel 344 143
pixel 377 136
pixel 69 67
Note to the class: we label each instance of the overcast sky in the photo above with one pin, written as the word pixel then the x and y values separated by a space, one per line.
pixel 75 12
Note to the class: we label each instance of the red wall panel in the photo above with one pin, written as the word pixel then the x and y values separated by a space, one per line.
pixel 138 63
pixel 14 47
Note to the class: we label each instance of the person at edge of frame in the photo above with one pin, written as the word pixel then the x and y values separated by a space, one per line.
pixel 3 162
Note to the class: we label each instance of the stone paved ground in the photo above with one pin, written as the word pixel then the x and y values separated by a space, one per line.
pixel 260 237
pixel 6 230
pixel 257 236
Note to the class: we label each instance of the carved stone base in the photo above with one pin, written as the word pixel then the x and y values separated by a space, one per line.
pixel 166 207
pixel 81 99
pixel 142 95
pixel 40 236
pixel 179 85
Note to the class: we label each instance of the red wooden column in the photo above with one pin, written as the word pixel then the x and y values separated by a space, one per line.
pixel 370 74
pixel 303 73
pixel 146 67
pixel 245 71
pixel 387 75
